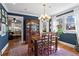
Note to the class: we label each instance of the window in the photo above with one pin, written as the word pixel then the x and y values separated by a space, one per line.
pixel 70 24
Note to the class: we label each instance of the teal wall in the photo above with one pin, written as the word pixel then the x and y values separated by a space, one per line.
pixel 3 39
pixel 69 38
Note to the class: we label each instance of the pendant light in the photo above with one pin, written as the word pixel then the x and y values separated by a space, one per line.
pixel 44 16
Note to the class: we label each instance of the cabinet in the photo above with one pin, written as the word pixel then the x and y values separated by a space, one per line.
pixel 31 26
pixel 32 30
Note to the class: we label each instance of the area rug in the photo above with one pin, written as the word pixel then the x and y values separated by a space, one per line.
pixel 21 50
pixel 63 52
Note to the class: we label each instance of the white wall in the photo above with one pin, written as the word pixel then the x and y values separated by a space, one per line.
pixel 76 14
pixel 41 23
pixel 54 24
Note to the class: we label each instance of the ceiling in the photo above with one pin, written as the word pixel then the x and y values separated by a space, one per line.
pixel 36 9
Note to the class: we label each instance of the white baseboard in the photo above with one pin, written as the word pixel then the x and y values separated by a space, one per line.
pixel 70 45
pixel 2 51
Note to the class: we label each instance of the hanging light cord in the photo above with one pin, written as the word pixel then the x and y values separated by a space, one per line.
pixel 44 8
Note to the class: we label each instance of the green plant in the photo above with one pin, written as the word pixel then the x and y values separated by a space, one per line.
pixel 59 30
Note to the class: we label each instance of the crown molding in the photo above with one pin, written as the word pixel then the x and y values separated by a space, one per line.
pixel 29 14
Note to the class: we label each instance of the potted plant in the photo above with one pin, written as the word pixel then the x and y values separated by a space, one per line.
pixel 59 30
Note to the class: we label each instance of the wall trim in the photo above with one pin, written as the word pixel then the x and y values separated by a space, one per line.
pixel 70 45
pixel 21 13
pixel 5 47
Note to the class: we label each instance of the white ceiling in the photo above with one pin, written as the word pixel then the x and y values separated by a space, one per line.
pixel 37 9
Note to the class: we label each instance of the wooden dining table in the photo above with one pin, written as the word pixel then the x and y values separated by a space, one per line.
pixel 35 39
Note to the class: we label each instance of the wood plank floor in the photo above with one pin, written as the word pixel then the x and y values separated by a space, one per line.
pixel 13 43
pixel 68 48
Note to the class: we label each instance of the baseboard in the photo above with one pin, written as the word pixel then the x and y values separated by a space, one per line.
pixel 2 51
pixel 70 45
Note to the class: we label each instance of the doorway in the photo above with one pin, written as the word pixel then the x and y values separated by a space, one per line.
pixel 15 24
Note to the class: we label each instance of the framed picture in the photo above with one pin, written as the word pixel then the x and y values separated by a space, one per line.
pixel 3 20
pixel 3 12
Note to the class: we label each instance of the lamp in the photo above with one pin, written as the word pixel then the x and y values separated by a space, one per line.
pixel 14 19
pixel 44 16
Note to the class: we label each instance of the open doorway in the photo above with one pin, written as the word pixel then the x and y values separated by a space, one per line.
pixel 15 28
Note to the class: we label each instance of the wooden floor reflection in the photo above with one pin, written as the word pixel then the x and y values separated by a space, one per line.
pixel 13 43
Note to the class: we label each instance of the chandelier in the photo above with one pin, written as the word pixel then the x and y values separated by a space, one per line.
pixel 44 16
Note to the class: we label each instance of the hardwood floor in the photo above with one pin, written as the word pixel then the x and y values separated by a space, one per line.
pixel 14 42
pixel 68 48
